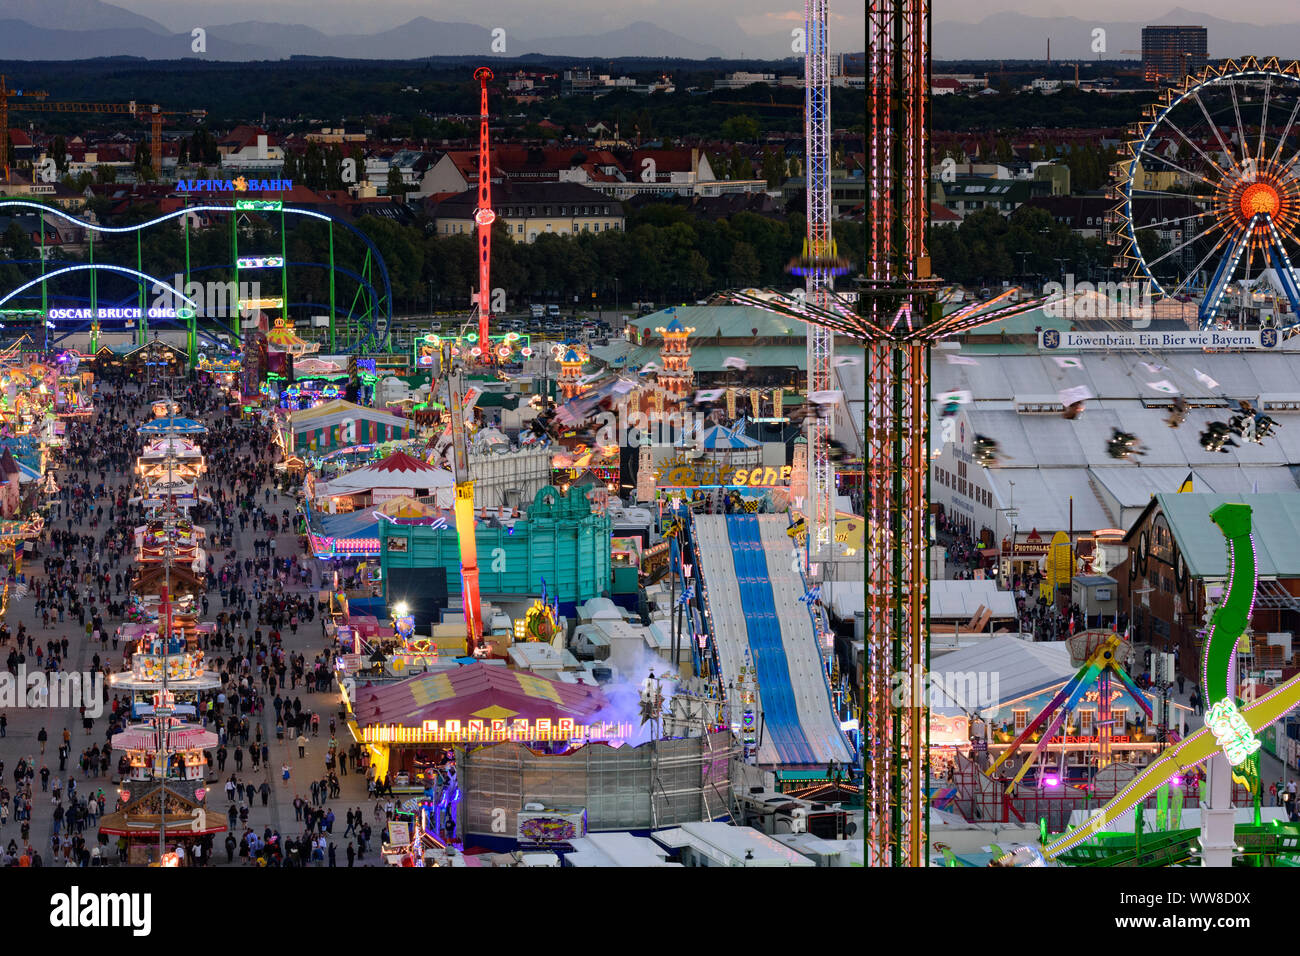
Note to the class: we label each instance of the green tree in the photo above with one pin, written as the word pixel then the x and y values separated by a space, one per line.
pixel 773 169
pixel 59 150
pixel 740 129
pixel 396 187
pixel 743 268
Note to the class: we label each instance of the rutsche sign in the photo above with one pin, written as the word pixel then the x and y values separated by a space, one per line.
pixel 239 185
pixel 1052 339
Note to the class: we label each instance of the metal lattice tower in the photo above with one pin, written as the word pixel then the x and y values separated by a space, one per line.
pixel 897 327
pixel 484 216
pixel 820 509
pixel 897 431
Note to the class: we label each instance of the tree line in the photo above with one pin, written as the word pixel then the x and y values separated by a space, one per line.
pixel 664 254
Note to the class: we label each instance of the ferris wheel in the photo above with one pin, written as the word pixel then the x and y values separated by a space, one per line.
pixel 1209 187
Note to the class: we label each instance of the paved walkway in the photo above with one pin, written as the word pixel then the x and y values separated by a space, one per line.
pixel 24 724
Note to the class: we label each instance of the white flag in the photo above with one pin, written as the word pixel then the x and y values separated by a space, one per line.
pixel 709 394
pixel 1067 361
pixel 1080 393
pixel 1164 385
pixel 842 360
pixel 1205 379
pixel 828 397
pixel 961 397
pixel 960 360
pixel 649 367
pixel 1153 367
pixel 732 361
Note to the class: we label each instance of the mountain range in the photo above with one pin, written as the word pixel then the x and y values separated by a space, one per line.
pixel 44 30
pixel 1016 36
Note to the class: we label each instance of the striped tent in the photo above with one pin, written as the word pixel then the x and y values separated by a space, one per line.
pixel 340 424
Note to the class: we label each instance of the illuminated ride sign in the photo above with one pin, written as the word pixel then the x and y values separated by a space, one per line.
pixel 426 348
pixel 240 185
pixel 682 473
pixel 1231 731
pixel 494 731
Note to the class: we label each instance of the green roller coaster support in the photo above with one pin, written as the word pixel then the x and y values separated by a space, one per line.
pixel 234 260
pixel 284 270
pixel 142 335
pixel 192 337
pixel 333 343
pixel 45 302
pixel 94 303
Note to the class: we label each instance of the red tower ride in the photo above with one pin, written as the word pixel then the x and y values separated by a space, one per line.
pixel 484 216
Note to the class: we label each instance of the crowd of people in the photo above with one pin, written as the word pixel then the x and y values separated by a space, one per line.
pixel 80 591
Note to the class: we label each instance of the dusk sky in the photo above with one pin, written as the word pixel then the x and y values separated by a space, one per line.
pixel 757 28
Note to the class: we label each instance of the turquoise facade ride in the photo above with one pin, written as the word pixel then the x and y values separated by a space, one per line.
pixel 563 540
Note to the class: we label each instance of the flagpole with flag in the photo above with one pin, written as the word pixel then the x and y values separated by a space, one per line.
pixel 1186 486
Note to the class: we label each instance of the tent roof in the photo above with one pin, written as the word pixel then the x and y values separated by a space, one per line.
pixel 1023 667
pixel 398 470
pixel 479 691
pixel 961 599
pixel 1275 522
pixel 183 426
pixel 333 413
pixel 400 461
pixel 354 524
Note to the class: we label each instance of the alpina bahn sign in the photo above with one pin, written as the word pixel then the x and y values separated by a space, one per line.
pixel 240 185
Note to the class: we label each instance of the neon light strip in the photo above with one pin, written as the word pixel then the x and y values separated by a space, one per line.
pixel 96 227
pixel 83 268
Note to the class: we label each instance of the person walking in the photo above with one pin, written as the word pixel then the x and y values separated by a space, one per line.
pixel 302 745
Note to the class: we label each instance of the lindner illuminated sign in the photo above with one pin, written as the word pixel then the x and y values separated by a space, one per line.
pixel 240 185
pixel 1231 731
pixel 258 205
pixel 249 305
pixel 491 731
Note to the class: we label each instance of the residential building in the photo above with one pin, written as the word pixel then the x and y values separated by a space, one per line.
pixel 529 210
pixel 1177 562
pixel 740 80
pixel 334 135
pixel 1171 52
pixel 1090 216
pixel 848 191
pixel 413 165
pixel 248 147
pixel 968 195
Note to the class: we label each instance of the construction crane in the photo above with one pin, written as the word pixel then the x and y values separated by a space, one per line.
pixel 153 113
pixel 484 216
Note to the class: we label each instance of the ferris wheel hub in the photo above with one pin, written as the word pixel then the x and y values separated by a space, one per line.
pixel 1259 197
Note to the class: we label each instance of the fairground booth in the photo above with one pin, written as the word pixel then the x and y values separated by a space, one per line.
pixel 339 424
pixel 412 727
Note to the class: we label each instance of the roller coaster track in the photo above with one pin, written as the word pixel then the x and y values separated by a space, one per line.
pixel 384 306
